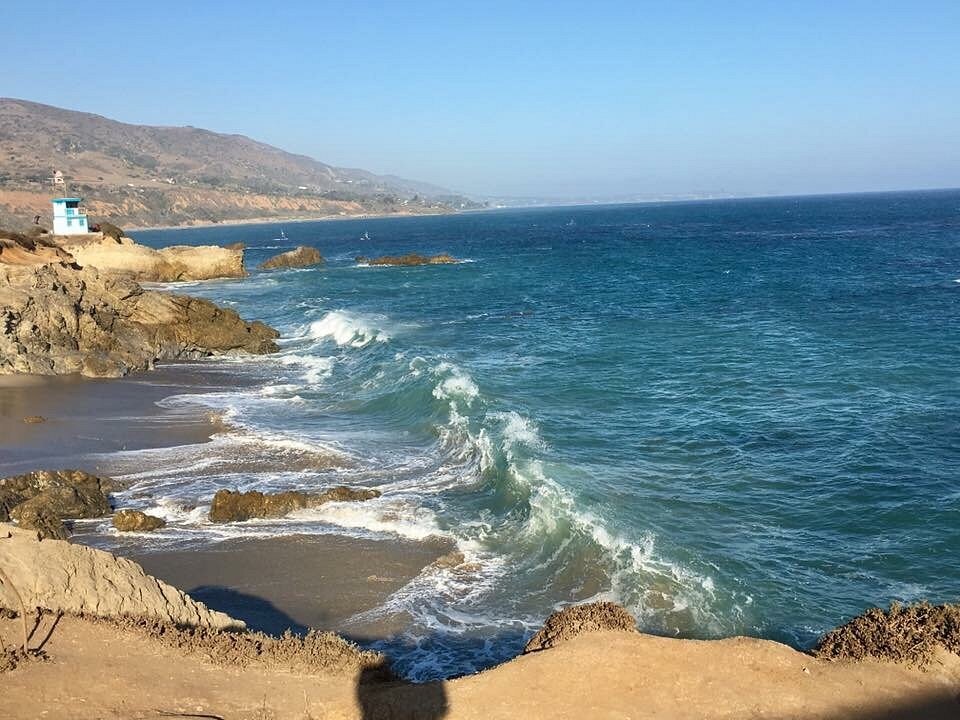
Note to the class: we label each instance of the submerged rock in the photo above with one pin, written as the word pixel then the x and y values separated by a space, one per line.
pixel 42 499
pixel 235 506
pixel 58 319
pixel 34 419
pixel 410 259
pixel 572 621
pixel 136 521
pixel 302 256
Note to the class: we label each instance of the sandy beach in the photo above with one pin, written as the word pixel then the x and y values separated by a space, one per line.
pixel 86 416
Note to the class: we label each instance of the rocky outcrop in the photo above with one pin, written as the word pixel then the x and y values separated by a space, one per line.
pixel 904 633
pixel 137 521
pixel 572 621
pixel 170 264
pixel 234 506
pixel 411 259
pixel 57 319
pixel 23 249
pixel 59 576
pixel 300 257
pixel 41 500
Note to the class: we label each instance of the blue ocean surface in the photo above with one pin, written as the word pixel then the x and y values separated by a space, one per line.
pixel 734 417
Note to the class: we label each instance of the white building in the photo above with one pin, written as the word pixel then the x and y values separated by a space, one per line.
pixel 68 217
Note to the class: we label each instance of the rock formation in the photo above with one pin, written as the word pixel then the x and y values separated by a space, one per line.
pixel 137 521
pixel 572 621
pixel 234 506
pixel 300 257
pixel 42 499
pixel 58 319
pixel 904 633
pixel 410 259
pixel 170 264
pixel 59 576
pixel 23 249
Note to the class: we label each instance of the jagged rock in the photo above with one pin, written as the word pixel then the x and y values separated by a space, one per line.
pixel 904 633
pixel 111 231
pixel 236 246
pixel 60 576
pixel 411 259
pixel 300 257
pixel 40 500
pixel 170 264
pixel 234 506
pixel 572 621
pixel 136 521
pixel 35 515
pixel 58 319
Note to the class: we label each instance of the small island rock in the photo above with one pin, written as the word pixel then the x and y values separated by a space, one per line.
pixel 409 259
pixel 136 521
pixel 300 257
pixel 235 506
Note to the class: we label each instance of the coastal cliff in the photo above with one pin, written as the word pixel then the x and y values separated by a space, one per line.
pixel 56 319
pixel 78 308
pixel 170 264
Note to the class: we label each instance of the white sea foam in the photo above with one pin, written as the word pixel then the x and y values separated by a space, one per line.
pixel 348 328
pixel 389 515
pixel 316 368
pixel 518 431
pixel 458 385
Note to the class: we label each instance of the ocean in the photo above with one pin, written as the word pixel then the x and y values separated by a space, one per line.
pixel 733 417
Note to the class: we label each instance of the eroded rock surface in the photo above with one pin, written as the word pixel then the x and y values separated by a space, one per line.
pixel 170 264
pixel 904 633
pixel 137 521
pixel 234 506
pixel 57 319
pixel 572 621
pixel 300 257
pixel 60 576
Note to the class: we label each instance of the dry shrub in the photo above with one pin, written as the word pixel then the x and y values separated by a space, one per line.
pixel 316 652
pixel 909 634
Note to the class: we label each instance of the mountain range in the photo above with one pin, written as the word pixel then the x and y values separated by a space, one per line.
pixel 145 175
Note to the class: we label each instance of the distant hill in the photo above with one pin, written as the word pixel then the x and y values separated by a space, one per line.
pixel 145 175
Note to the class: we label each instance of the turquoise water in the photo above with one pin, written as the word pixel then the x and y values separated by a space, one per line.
pixel 737 417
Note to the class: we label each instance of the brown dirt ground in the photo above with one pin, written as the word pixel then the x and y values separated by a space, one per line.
pixel 101 670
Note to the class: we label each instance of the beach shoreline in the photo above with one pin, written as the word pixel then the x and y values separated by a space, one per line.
pixel 294 219
pixel 290 581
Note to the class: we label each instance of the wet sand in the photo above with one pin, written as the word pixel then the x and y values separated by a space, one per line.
pixel 85 416
pixel 296 582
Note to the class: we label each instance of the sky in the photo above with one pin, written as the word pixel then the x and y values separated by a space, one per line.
pixel 600 100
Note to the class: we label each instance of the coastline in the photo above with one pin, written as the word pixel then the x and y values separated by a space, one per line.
pixel 288 220
pixel 291 581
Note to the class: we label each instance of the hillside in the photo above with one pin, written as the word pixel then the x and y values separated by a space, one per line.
pixel 145 175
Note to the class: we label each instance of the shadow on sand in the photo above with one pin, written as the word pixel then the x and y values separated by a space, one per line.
pixel 381 699
pixel 256 612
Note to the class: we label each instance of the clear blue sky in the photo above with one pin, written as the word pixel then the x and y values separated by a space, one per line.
pixel 529 98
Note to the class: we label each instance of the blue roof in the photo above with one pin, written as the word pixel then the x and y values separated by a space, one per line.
pixel 58 200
